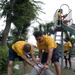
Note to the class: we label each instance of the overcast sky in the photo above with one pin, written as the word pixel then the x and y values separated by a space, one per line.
pixel 49 8
pixel 52 5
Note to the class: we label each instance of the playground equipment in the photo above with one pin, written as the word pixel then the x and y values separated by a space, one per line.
pixel 67 25
pixel 66 16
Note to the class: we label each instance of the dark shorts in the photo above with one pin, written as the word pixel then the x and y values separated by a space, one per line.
pixel 13 55
pixel 69 55
pixel 55 56
pixel 59 22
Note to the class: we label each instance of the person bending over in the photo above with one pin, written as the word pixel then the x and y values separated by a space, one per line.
pixel 47 51
pixel 20 50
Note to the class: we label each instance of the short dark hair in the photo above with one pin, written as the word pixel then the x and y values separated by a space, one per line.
pixel 27 47
pixel 38 33
pixel 67 38
pixel 60 10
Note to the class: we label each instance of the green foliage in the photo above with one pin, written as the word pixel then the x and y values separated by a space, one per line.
pixel 9 44
pixel 36 53
pixel 5 7
pixel 45 28
pixel 24 12
pixel 73 50
pixel 73 41
pixel 20 13
pixel 3 59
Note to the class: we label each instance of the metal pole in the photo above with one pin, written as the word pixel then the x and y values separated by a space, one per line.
pixel 55 36
pixel 62 51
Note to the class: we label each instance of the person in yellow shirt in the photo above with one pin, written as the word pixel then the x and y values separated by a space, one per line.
pixel 67 53
pixel 47 51
pixel 59 23
pixel 19 50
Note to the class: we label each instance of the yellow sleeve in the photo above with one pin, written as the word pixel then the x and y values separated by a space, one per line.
pixel 38 46
pixel 50 42
pixel 70 45
pixel 18 49
pixel 59 16
pixel 32 49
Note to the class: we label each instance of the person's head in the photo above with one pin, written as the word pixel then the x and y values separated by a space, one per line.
pixel 60 10
pixel 67 39
pixel 27 48
pixel 38 36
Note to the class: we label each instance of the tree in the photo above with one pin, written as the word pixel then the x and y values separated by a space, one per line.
pixel 8 14
pixel 27 12
pixel 47 28
pixel 20 13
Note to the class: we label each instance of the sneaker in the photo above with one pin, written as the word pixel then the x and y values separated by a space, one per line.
pixel 74 70
pixel 70 68
pixel 65 67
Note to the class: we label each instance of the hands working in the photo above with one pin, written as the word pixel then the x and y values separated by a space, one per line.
pixel 39 67
pixel 46 66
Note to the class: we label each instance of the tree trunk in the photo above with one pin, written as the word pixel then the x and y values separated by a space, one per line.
pixel 8 24
pixel 6 31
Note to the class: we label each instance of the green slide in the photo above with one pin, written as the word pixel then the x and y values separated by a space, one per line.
pixel 71 28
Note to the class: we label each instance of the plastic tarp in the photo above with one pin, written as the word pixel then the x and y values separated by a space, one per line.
pixel 43 72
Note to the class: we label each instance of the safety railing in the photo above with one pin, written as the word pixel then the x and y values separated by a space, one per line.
pixel 68 19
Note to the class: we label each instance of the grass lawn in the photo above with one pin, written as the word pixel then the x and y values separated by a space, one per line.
pixel 20 71
pixel 64 71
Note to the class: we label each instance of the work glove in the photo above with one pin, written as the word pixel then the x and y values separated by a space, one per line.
pixel 28 55
pixel 38 69
pixel 40 65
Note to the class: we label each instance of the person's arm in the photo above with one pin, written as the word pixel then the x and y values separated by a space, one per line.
pixel 46 65
pixel 70 46
pixel 30 63
pixel 40 55
pixel 27 60
pixel 49 55
pixel 33 58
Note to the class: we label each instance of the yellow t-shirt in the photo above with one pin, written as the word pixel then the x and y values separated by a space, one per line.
pixel 67 46
pixel 59 16
pixel 18 47
pixel 46 44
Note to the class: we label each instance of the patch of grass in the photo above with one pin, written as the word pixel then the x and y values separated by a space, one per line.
pixel 64 71
pixel 20 71
pixel 52 68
